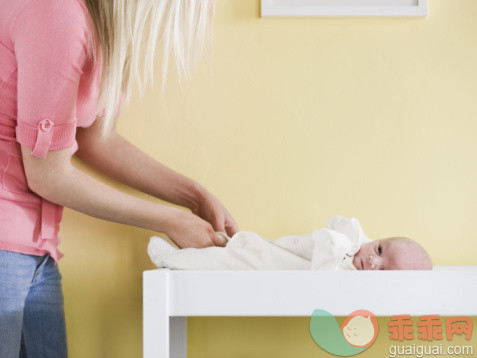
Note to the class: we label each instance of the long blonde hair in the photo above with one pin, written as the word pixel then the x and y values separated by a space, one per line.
pixel 120 28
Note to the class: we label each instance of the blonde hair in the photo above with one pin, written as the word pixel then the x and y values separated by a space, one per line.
pixel 120 27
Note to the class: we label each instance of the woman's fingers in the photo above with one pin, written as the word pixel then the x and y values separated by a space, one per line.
pixel 219 223
pixel 231 227
pixel 219 240
pixel 188 230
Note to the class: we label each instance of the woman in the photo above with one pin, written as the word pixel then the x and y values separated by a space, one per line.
pixel 58 97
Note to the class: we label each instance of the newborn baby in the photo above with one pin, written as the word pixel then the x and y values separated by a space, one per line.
pixel 342 245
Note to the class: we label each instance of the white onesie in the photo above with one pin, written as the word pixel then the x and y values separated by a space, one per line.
pixel 330 248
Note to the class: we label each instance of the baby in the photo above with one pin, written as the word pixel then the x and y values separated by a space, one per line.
pixel 342 245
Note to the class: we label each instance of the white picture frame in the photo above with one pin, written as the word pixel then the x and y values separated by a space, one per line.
pixel 297 8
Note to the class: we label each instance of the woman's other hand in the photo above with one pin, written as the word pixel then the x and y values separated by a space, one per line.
pixel 210 209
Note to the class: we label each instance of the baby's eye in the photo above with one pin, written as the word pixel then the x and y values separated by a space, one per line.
pixel 380 249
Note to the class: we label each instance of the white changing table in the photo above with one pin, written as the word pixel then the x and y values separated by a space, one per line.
pixel 171 296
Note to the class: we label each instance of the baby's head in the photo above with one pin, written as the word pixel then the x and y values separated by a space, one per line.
pixel 395 253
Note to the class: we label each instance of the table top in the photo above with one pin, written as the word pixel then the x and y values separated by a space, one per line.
pixel 445 290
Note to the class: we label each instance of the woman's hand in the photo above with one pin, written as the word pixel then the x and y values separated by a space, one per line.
pixel 210 209
pixel 188 230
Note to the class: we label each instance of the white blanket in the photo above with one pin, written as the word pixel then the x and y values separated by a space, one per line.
pixel 330 248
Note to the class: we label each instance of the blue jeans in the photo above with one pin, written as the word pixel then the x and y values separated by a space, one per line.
pixel 32 319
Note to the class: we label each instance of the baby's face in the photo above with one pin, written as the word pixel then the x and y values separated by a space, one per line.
pixel 392 254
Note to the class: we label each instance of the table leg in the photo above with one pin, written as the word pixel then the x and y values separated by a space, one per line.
pixel 178 337
pixel 155 315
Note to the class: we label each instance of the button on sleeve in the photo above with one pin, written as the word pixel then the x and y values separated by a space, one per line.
pixel 43 138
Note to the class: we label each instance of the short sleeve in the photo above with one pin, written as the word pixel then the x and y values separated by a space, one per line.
pixel 50 44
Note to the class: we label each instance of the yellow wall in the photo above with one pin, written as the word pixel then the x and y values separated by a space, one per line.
pixel 300 119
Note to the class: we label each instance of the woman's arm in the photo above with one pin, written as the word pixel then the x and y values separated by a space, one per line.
pixel 57 180
pixel 126 163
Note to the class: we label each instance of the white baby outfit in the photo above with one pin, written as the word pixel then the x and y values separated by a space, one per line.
pixel 330 248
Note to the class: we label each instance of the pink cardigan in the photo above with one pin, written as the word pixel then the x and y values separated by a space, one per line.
pixel 47 89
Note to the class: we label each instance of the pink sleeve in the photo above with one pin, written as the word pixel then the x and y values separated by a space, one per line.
pixel 50 41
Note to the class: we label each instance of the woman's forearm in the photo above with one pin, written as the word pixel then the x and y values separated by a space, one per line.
pixel 77 190
pixel 57 180
pixel 126 163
